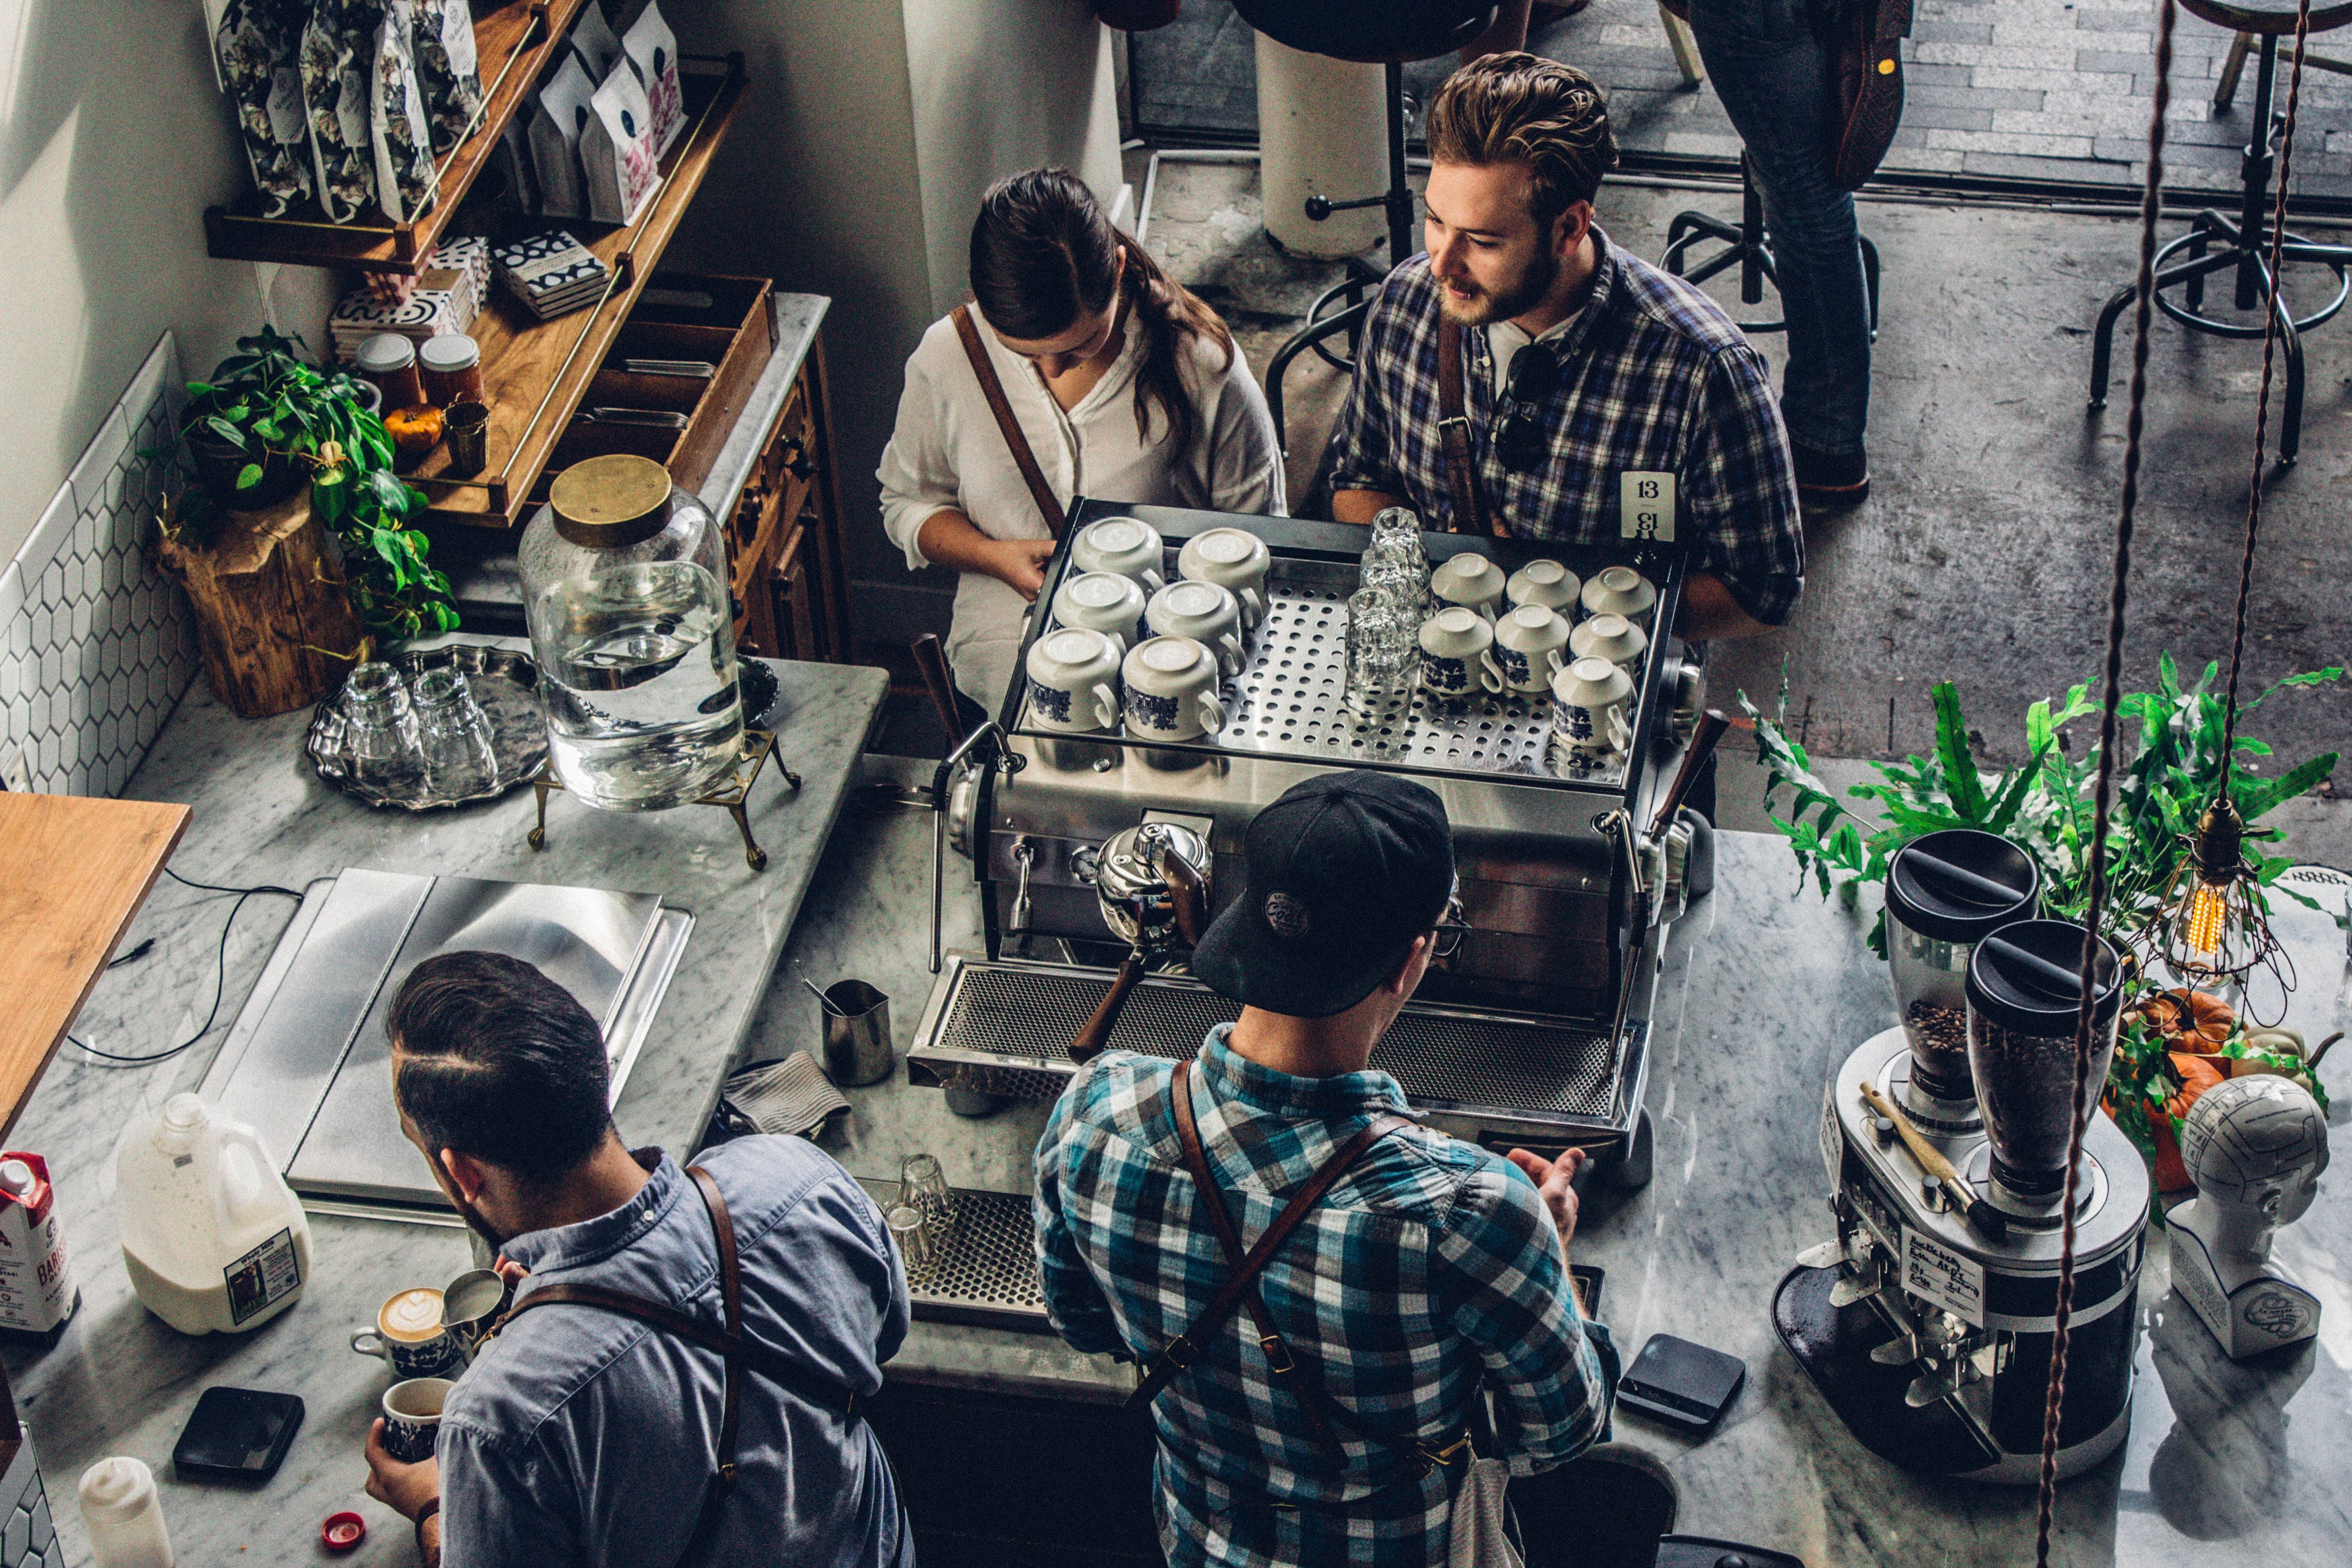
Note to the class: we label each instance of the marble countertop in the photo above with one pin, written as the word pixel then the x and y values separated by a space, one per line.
pixel 1767 989
pixel 118 1380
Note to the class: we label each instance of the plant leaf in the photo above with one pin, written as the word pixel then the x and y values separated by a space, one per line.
pixel 1952 749
pixel 248 477
pixel 2255 801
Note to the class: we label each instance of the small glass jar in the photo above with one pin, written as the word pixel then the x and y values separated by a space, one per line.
pixel 389 361
pixel 452 367
pixel 380 724
pixel 455 736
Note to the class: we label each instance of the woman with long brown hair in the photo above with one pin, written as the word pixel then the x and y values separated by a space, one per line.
pixel 1122 385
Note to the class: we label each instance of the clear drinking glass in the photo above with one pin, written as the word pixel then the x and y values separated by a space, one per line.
pixel 916 1236
pixel 922 1185
pixel 381 724
pixel 455 734
pixel 1383 652
pixel 1395 560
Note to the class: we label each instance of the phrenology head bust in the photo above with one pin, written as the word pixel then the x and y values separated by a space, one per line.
pixel 2257 1143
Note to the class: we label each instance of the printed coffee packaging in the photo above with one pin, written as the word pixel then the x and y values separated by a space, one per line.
pixel 257 47
pixel 397 133
pixel 593 40
pixel 338 52
pixel 448 71
pixel 37 1289
pixel 514 156
pixel 651 50
pixel 617 149
pixel 560 115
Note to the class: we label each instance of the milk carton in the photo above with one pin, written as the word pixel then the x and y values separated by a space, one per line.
pixel 37 1292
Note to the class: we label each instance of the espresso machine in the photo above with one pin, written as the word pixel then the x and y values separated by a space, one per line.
pixel 1534 1034
pixel 1928 1321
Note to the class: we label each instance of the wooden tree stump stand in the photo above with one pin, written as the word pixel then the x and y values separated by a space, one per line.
pixel 274 622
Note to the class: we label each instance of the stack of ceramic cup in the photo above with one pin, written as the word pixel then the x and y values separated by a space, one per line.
pixel 1593 692
pixel 1100 615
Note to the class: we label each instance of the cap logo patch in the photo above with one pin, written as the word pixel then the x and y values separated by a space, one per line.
pixel 1287 916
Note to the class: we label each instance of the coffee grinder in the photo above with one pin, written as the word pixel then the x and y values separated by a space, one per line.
pixel 1927 1323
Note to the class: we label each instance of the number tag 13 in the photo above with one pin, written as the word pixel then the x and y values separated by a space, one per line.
pixel 1645 505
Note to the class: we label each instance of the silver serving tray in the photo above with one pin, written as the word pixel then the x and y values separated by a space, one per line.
pixel 505 683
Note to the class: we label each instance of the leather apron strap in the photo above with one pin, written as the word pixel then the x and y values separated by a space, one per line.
pixel 992 389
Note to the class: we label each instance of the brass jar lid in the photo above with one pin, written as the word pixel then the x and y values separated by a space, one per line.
pixel 611 502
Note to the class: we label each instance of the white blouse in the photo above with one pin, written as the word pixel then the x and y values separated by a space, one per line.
pixel 946 453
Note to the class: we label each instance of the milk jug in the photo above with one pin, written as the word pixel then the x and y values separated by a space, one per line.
pixel 212 1235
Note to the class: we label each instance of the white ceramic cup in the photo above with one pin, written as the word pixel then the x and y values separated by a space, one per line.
pixel 1470 581
pixel 1171 690
pixel 1621 590
pixel 1074 681
pixel 1457 655
pixel 1102 601
pixel 1530 645
pixel 412 1417
pixel 1208 614
pixel 1126 546
pixel 409 1336
pixel 1613 638
pixel 1235 559
pixel 1544 582
pixel 1589 703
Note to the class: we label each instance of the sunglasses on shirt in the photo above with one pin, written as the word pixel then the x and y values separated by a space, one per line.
pixel 1519 433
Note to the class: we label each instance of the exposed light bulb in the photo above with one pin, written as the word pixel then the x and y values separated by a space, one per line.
pixel 2209 910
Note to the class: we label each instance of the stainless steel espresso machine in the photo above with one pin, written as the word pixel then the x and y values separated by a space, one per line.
pixel 1928 1322
pixel 1534 1033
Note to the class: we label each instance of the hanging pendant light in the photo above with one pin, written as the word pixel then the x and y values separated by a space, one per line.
pixel 2211 925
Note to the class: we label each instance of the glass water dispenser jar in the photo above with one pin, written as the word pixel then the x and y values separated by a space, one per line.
pixel 625 589
pixel 1946 892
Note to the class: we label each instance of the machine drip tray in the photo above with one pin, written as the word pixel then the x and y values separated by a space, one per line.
pixel 1832 1343
pixel 987 1273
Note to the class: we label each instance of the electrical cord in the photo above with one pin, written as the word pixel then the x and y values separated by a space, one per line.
pixel 220 969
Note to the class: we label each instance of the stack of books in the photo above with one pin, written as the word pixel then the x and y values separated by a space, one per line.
pixel 552 274
pixel 449 293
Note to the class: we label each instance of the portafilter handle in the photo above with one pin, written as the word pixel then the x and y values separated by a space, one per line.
pixel 1094 1034
pixel 1704 741
pixel 931 660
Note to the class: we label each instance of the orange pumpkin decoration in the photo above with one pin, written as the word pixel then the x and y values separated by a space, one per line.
pixel 414 429
pixel 2194 1020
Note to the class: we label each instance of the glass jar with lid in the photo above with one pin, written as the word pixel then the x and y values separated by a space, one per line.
pixel 1946 892
pixel 625 594
pixel 451 365
pixel 389 361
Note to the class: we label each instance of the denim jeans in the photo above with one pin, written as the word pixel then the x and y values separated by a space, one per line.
pixel 1773 76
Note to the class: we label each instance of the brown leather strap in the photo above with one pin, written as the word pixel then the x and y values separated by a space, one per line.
pixel 994 389
pixel 1241 1287
pixel 1453 435
pixel 731 1293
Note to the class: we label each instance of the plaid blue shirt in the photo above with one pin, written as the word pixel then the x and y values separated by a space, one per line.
pixel 1653 377
pixel 1430 1266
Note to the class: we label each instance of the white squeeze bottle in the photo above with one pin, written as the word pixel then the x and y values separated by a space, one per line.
pixel 211 1233
pixel 124 1516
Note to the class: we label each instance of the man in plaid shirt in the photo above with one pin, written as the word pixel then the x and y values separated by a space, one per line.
pixel 1579 361
pixel 1431 1268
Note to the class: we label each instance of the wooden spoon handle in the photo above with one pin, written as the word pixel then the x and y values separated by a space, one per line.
pixel 1094 1034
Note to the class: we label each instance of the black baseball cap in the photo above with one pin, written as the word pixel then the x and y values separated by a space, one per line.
pixel 1343 871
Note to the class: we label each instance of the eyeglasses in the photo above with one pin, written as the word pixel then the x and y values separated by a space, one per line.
pixel 1519 433
pixel 1445 936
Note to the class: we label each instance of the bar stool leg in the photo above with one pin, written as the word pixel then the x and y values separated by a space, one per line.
pixel 2226 89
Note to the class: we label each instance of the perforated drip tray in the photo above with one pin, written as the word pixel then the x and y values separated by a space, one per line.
pixel 988 1271
pixel 1288 701
pixel 1004 1028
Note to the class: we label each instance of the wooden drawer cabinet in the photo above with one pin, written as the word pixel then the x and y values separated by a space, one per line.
pixel 786 568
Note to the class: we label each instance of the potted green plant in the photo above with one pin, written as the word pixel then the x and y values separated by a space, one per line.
pixel 251 432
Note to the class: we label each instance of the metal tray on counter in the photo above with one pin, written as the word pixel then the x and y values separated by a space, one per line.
pixel 504 681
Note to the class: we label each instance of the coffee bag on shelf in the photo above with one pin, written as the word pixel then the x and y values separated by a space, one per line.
pixel 397 133
pixel 616 150
pixel 448 70
pixel 557 118
pixel 593 40
pixel 338 53
pixel 651 49
pixel 258 49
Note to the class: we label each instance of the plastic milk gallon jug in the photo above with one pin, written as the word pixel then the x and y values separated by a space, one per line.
pixel 211 1233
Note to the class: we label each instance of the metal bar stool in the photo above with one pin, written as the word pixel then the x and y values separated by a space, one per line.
pixel 1748 247
pixel 2215 243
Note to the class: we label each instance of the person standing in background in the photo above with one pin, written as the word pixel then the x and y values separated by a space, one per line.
pixel 1120 383
pixel 1775 72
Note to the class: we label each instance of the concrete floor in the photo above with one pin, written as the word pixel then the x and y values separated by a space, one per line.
pixel 1984 555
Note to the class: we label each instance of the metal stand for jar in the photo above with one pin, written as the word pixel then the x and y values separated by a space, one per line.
pixel 757 746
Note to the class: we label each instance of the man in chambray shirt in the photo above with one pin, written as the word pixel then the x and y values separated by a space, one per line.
pixel 582 1437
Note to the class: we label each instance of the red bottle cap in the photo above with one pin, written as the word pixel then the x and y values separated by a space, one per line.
pixel 342 1531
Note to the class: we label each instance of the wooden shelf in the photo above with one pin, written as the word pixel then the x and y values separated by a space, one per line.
pixel 515 42
pixel 535 373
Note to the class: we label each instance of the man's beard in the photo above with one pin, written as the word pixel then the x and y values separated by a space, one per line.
pixel 1520 298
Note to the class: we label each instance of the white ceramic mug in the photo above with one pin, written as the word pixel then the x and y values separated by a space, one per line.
pixel 409 1336
pixel 1470 581
pixel 1530 644
pixel 1208 614
pixel 1102 601
pixel 1171 690
pixel 1074 681
pixel 412 1417
pixel 1621 590
pixel 1589 700
pixel 1613 638
pixel 1544 582
pixel 1457 655
pixel 1235 559
pixel 1126 546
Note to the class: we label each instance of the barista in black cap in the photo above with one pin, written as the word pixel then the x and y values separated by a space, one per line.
pixel 1318 1415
